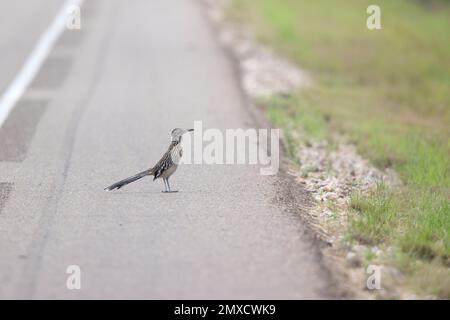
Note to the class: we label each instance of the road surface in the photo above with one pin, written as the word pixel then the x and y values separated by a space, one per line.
pixel 100 109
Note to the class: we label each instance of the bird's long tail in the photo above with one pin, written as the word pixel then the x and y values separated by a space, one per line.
pixel 131 179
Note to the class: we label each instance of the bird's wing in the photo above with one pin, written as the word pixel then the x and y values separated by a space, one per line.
pixel 163 164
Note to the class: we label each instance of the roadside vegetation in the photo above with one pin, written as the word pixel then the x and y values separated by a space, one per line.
pixel 388 92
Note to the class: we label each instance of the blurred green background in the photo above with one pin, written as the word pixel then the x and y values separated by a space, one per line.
pixel 388 92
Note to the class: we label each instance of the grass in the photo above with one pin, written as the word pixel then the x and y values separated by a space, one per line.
pixel 377 216
pixel 387 92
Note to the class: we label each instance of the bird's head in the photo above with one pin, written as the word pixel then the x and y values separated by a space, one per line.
pixel 178 133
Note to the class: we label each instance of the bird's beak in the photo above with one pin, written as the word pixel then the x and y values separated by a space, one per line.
pixel 190 130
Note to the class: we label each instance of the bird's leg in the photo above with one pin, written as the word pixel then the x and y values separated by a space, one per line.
pixel 165 185
pixel 169 186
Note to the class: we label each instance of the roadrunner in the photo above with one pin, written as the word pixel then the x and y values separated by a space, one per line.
pixel 165 167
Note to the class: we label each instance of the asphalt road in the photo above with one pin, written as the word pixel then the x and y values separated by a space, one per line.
pixel 101 109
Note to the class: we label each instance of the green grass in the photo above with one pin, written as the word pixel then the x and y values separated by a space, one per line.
pixel 386 91
pixel 377 216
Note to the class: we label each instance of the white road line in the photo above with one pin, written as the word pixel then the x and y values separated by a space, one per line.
pixel 34 61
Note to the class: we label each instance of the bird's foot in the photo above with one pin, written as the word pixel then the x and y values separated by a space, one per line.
pixel 172 191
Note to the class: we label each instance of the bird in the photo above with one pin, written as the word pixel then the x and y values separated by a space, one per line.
pixel 164 168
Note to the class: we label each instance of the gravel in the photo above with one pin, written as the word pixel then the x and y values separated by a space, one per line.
pixel 333 175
